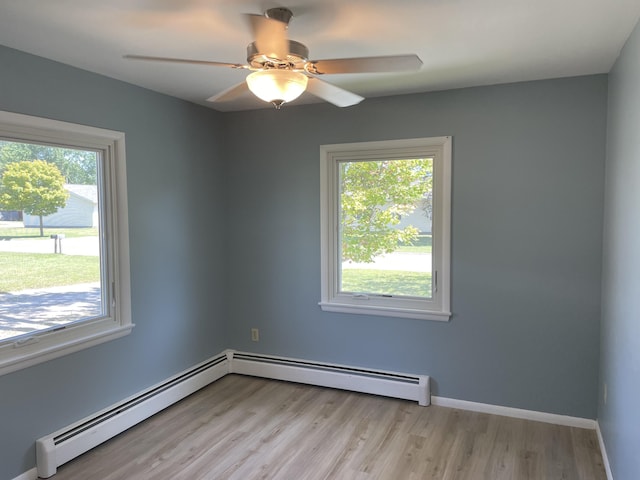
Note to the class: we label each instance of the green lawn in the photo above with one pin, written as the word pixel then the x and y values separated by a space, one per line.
pixel 7 233
pixel 389 282
pixel 21 271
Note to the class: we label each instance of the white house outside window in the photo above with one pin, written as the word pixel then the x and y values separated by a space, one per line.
pixel 64 253
pixel 385 212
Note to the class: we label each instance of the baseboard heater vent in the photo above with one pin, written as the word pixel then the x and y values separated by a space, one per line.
pixel 78 438
pixel 389 384
pixel 66 444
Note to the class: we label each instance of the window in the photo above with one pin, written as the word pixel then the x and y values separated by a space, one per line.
pixel 385 213
pixel 64 252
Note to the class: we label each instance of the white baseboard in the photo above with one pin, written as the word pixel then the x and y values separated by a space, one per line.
pixel 603 451
pixel 73 440
pixel 29 475
pixel 62 446
pixel 515 412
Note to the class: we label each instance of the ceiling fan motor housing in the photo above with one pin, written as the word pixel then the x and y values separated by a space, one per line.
pixel 281 14
pixel 296 59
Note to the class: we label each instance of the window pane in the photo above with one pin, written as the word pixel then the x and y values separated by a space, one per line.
pixel 385 213
pixel 50 253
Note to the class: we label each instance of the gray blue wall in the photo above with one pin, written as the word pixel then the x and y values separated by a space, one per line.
pixel 176 209
pixel 224 220
pixel 619 417
pixel 528 168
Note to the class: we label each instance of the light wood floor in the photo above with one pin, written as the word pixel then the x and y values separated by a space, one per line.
pixel 245 428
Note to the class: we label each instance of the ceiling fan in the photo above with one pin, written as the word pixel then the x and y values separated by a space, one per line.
pixel 282 70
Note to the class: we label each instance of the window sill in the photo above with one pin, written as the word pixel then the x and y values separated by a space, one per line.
pixel 42 351
pixel 386 311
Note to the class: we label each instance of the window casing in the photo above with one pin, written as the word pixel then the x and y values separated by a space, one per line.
pixel 335 298
pixel 115 321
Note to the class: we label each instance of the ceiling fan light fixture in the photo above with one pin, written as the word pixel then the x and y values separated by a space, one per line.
pixel 277 86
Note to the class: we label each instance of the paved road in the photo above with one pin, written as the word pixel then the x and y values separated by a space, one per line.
pixel 29 310
pixel 70 246
pixel 37 309
pixel 407 262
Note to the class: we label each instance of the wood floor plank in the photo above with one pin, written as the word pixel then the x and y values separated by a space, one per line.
pixel 244 428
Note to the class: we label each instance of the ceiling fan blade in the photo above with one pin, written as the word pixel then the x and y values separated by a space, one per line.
pixel 332 94
pixel 270 36
pixel 390 63
pixel 184 60
pixel 230 94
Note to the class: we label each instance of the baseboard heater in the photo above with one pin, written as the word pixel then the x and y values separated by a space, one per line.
pixel 66 444
pixel 389 384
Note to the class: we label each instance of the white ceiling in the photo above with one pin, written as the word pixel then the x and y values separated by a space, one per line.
pixel 461 42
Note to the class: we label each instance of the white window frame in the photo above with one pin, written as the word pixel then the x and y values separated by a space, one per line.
pixel 332 300
pixel 39 347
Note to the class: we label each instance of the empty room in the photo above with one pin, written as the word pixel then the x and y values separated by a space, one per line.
pixel 319 240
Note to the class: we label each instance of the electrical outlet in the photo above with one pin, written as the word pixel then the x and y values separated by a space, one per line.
pixel 605 394
pixel 255 335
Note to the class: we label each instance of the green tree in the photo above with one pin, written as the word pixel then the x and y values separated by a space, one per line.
pixel 35 187
pixel 374 196
pixel 76 166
